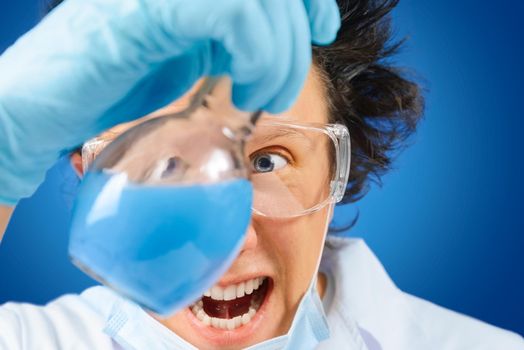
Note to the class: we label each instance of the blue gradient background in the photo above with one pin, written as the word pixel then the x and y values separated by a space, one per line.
pixel 448 222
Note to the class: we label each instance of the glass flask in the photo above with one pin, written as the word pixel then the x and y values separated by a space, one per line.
pixel 163 209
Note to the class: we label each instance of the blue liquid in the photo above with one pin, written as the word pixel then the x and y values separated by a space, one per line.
pixel 160 246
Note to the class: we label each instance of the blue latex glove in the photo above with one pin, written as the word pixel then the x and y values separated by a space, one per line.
pixel 92 64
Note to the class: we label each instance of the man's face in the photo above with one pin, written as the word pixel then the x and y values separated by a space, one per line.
pixel 276 263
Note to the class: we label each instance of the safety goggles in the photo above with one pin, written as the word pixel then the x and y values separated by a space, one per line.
pixel 295 168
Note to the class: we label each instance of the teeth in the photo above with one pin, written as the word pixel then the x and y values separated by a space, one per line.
pixel 246 318
pixel 225 323
pixel 222 323
pixel 235 290
pixel 231 324
pixel 217 293
pixel 240 289
pixel 228 293
pixel 200 315
pixel 249 287
pixel 238 321
pixel 207 320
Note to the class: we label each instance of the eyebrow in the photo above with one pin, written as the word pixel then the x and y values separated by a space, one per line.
pixel 280 133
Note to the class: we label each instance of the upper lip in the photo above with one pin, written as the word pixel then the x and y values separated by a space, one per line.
pixel 224 282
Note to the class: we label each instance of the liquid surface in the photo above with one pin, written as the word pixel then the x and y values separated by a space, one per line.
pixel 160 246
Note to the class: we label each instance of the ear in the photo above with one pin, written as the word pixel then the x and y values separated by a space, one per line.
pixel 76 163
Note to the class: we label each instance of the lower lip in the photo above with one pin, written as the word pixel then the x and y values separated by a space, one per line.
pixel 238 336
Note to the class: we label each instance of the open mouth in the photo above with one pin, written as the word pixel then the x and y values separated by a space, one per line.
pixel 233 306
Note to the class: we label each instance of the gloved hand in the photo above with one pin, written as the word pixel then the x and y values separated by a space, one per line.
pixel 92 64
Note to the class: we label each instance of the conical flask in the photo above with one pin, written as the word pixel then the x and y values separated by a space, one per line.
pixel 163 209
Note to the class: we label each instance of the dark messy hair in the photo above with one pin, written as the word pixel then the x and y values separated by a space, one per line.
pixel 374 99
pixel 378 103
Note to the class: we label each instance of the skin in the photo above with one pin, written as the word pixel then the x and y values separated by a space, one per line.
pixel 287 250
pixel 5 215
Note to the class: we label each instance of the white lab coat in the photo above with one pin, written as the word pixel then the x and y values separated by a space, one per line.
pixel 365 311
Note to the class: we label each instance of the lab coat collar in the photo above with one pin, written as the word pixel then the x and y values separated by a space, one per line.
pixel 366 294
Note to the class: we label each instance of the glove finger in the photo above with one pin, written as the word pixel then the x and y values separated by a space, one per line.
pixel 324 20
pixel 162 85
pixel 301 59
pixel 240 26
pixel 248 39
pixel 260 92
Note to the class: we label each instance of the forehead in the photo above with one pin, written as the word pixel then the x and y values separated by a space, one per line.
pixel 310 106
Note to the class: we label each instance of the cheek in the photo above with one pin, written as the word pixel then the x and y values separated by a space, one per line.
pixel 296 246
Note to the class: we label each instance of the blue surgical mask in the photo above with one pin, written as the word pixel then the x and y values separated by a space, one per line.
pixel 308 329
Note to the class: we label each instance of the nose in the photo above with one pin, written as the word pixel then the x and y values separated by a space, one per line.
pixel 238 267
pixel 251 239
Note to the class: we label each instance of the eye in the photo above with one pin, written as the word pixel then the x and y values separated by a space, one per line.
pixel 172 167
pixel 267 162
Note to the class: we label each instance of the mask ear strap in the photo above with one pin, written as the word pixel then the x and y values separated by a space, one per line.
pixel 310 315
pixel 314 310
pixel 329 217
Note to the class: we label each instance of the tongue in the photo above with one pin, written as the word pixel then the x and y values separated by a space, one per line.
pixel 227 309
